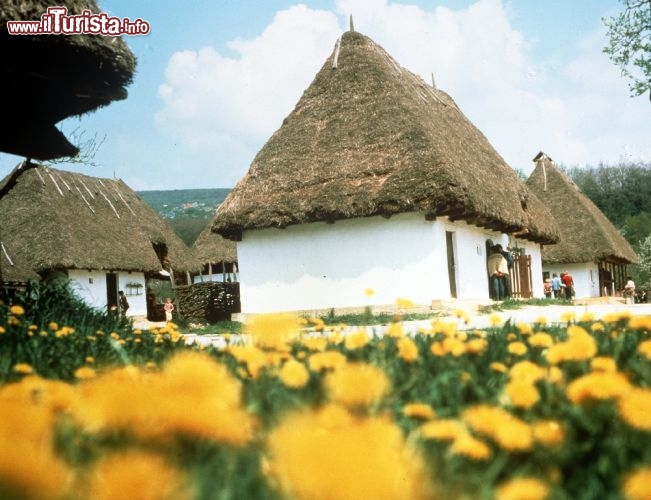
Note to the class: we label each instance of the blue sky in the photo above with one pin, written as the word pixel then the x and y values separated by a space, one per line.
pixel 216 78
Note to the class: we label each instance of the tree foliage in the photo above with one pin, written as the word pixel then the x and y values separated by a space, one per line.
pixel 629 44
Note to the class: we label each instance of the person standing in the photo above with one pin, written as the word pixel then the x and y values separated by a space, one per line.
pixel 498 272
pixel 629 291
pixel 169 307
pixel 568 283
pixel 124 303
pixel 556 285
pixel 547 288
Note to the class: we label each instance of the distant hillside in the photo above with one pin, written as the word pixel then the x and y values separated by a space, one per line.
pixel 189 202
pixel 186 210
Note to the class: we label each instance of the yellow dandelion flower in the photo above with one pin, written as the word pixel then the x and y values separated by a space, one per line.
pixel 293 374
pixel 541 321
pixel 418 410
pixel 90 360
pixel 640 323
pixel 395 330
pixel 496 366
pixel 505 429
pixel 462 315
pixel 17 310
pixel 23 368
pixel 119 475
pixel 369 292
pixel 579 346
pixel 2 330
pixel 555 375
pixel 636 484
pixel 84 373
pixel 541 340
pixel 511 337
pixel 568 316
pixel 357 340
pixel 437 349
pixel 634 407
pixel 603 364
pixel 407 349
pixel 471 447
pixel 597 386
pixel 53 325
pixel 527 371
pixel 616 317
pixel 403 303
pixel 318 344
pixel 597 327
pixel 254 358
pixel 271 330
pixel 524 328
pixel 644 348
pixel 517 348
pixel 548 432
pixel 496 319
pixel 522 488
pixel 357 384
pixel 454 346
pixel 447 328
pixel 522 394
pixel 476 346
pixel 587 317
pixel 327 360
pixel 445 429
pixel 327 454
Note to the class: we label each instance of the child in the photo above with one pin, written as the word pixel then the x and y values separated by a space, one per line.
pixel 547 288
pixel 169 307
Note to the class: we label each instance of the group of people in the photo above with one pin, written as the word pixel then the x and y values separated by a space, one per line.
pixel 499 266
pixel 631 295
pixel 168 307
pixel 560 287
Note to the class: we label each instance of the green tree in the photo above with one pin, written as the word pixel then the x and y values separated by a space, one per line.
pixel 637 228
pixel 629 44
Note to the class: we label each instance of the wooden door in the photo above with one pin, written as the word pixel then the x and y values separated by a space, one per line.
pixel 452 271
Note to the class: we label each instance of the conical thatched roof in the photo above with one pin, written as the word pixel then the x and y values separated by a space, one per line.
pixel 586 233
pixel 212 248
pixel 53 219
pixel 370 138
pixel 46 78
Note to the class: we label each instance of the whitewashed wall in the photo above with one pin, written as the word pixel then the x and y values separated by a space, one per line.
pixel 91 287
pixel 585 275
pixel 319 265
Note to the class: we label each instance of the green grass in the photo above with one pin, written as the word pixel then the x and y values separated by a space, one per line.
pixel 519 303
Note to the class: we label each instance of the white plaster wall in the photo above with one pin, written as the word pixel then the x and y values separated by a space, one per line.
pixel 585 275
pixel 91 287
pixel 319 265
pixel 533 249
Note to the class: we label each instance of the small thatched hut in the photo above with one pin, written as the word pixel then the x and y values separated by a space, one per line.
pixel 375 180
pixel 217 255
pixel 96 232
pixel 46 78
pixel 591 249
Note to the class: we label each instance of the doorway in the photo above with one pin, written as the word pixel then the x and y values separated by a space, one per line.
pixel 112 291
pixel 452 268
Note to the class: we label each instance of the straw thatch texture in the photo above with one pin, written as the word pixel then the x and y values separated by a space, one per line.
pixel 47 78
pixel 586 233
pixel 370 138
pixel 54 219
pixel 212 248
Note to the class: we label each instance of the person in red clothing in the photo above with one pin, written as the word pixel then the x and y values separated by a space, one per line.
pixel 568 285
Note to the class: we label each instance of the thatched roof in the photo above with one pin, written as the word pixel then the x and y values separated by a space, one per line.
pixel 586 233
pixel 212 248
pixel 46 78
pixel 54 219
pixel 370 138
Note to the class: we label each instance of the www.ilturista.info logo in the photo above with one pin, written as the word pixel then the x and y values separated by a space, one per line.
pixel 56 21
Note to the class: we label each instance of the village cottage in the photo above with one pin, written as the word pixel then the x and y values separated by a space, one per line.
pixel 376 182
pixel 591 249
pixel 95 232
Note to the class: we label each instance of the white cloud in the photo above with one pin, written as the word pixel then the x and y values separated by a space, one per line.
pixel 229 104
pixel 578 111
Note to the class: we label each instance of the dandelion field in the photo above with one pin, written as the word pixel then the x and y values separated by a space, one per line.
pixel 93 408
